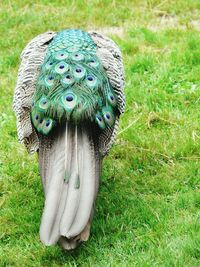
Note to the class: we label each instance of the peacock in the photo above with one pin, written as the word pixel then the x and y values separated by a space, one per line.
pixel 68 100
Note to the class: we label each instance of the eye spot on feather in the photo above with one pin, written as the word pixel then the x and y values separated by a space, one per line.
pixel 91 81
pixel 100 121
pixel 69 101
pixel 77 56
pixel 67 80
pixel 90 78
pixel 43 103
pixel 61 55
pixel 93 63
pixel 78 70
pixel 107 116
pixel 61 67
pixel 99 118
pixel 36 117
pixel 41 121
pixel 48 65
pixel 49 80
pixel 112 99
pixel 69 98
pixel 47 123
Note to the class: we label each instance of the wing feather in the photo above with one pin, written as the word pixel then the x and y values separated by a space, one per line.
pixel 31 58
pixel 111 58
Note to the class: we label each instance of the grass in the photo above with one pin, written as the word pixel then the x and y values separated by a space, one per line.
pixel 147 212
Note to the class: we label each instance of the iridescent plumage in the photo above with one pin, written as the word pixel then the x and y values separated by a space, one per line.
pixel 72 84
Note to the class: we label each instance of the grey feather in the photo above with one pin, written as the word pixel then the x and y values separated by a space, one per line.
pixel 87 178
pixel 31 58
pixel 67 208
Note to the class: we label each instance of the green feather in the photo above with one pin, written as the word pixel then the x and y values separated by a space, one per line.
pixel 79 72
pixel 100 121
pixel 92 62
pixel 47 126
pixel 69 100
pixel 35 116
pixel 67 80
pixel 43 104
pixel 61 67
pixel 91 81
pixel 48 65
pixel 61 55
pixel 112 99
pixel 72 49
pixel 49 81
pixel 72 85
pixel 77 56
pixel 108 115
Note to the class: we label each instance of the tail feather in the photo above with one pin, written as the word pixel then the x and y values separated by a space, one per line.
pixel 87 194
pixel 73 197
pixel 54 186
pixel 68 205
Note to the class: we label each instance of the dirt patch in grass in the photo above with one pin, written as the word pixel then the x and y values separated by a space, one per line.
pixel 118 31
pixel 172 22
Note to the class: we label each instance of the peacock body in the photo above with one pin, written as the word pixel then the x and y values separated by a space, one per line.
pixel 68 100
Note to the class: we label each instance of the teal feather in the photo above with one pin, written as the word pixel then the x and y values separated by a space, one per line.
pixel 77 56
pixel 48 65
pixel 69 100
pixel 47 126
pixel 112 99
pixel 108 115
pixel 100 121
pixel 35 116
pixel 72 49
pixel 43 103
pixel 91 81
pixel 49 81
pixel 61 67
pixel 79 72
pixel 40 125
pixel 67 80
pixel 92 62
pixel 61 55
pixel 72 84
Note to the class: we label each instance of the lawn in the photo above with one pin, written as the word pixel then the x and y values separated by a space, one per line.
pixel 147 211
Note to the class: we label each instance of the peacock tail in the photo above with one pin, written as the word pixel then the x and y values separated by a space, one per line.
pixel 72 85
